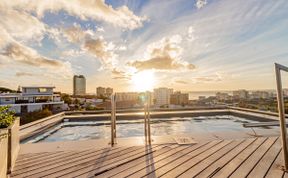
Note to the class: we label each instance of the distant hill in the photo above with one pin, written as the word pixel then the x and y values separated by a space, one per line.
pixel 7 90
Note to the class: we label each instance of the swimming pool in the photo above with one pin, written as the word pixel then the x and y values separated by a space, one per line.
pixel 85 130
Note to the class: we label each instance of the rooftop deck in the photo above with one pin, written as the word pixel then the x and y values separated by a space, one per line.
pixel 252 157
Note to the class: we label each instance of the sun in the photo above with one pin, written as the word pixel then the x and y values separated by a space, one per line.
pixel 143 81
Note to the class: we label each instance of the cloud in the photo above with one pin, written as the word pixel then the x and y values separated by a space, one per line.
pixel 181 82
pixel 191 35
pixel 23 74
pixel 164 55
pixel 208 79
pixel 118 74
pixel 20 24
pixel 72 53
pixel 103 50
pixel 84 9
pixel 28 56
pixel 200 3
pixel 76 34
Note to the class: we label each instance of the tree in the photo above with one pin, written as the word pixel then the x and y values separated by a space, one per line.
pixel 66 98
pixel 7 116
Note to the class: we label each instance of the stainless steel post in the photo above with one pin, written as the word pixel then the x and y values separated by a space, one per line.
pixel 145 121
pixel 281 111
pixel 148 118
pixel 113 120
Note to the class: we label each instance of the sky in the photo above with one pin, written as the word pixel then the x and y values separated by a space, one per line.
pixel 136 45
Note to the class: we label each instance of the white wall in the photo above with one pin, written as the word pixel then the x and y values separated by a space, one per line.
pixel 29 91
pixel 7 100
pixel 32 108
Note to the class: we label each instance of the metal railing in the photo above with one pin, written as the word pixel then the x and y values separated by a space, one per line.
pixel 147 127
pixel 281 110
pixel 113 120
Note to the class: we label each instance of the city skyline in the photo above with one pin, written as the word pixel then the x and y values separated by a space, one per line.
pixel 201 45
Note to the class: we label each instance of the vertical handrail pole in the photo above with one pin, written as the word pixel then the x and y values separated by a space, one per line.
pixel 281 111
pixel 113 123
pixel 145 121
pixel 114 118
pixel 148 118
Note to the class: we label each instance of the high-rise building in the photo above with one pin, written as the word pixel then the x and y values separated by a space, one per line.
pixel 79 85
pixel 162 96
pixel 100 91
pixel 179 98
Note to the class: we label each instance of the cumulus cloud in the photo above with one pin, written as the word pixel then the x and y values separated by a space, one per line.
pixel 25 55
pixel 21 25
pixel 103 50
pixel 200 3
pixel 164 55
pixel 76 34
pixel 84 9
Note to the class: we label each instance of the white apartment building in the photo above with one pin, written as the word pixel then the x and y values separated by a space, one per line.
pixel 79 85
pixel 32 99
pixel 162 96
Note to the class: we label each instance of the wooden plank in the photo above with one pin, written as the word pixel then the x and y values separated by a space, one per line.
pixel 245 167
pixel 31 155
pixel 55 160
pixel 233 164
pixel 96 162
pixel 206 172
pixel 174 152
pixel 131 165
pixel 276 170
pixel 172 159
pixel 174 170
pixel 72 162
pixel 266 161
pixel 37 158
pixel 92 169
pixel 194 170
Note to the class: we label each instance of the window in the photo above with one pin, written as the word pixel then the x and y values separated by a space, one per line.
pixel 42 90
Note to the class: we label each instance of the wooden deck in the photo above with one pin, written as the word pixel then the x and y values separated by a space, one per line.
pixel 254 157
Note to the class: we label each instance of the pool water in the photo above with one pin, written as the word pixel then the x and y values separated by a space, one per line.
pixel 84 130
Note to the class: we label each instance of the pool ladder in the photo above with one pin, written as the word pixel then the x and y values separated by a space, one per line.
pixel 147 127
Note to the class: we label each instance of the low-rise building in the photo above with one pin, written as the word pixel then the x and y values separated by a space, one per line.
pixel 222 96
pixel 100 91
pixel 104 92
pixel 179 98
pixel 240 94
pixel 32 99
pixel 127 96
pixel 260 95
